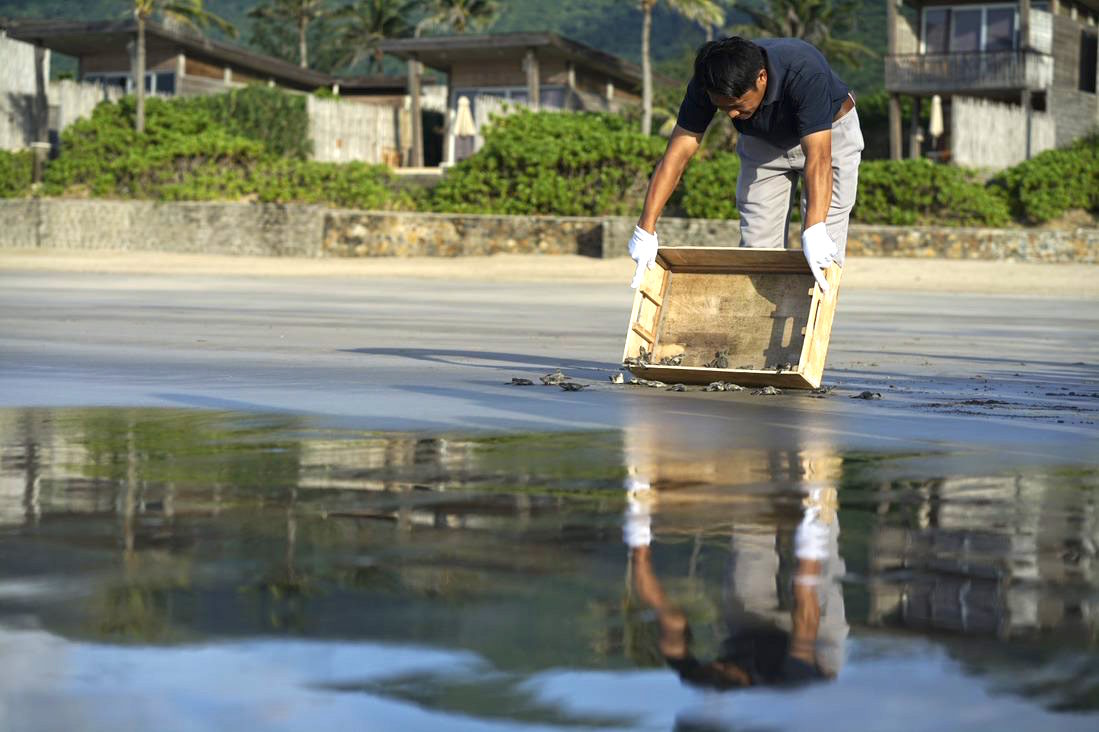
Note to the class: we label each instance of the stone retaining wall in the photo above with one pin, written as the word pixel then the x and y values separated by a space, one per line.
pixel 315 231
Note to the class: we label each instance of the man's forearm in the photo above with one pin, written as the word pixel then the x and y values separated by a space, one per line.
pixel 665 179
pixel 818 188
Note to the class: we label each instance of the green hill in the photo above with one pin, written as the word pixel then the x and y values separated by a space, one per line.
pixel 610 25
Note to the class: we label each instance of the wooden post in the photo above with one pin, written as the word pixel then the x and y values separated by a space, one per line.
pixel 530 65
pixel 570 85
pixel 41 100
pixel 417 120
pixel 894 100
pixel 894 127
pixel 914 130
pixel 451 117
pixel 1024 57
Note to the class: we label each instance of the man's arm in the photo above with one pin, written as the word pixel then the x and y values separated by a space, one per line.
pixel 818 176
pixel 681 148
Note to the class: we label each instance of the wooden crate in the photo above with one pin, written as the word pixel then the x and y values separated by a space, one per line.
pixel 761 305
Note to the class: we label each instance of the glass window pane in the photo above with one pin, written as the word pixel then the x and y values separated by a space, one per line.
pixel 965 30
pixel 935 27
pixel 166 83
pixel 1000 29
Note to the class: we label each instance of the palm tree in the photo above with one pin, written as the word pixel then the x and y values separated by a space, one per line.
pixel 365 24
pixel 299 13
pixel 188 13
pixel 811 20
pixel 704 12
pixel 458 16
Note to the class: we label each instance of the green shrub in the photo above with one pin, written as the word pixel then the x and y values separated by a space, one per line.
pixel 709 187
pixel 1054 182
pixel 582 164
pixel 16 169
pixel 915 192
pixel 278 120
pixel 187 154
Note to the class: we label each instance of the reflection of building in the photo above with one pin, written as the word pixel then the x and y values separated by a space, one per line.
pixel 983 556
pixel 1016 78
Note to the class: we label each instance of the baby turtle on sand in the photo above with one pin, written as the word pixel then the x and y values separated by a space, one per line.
pixel 677 387
pixel 721 360
pixel 617 379
pixel 867 395
pixel 572 386
pixel 521 382
pixel 648 383
pixel 767 391
pixel 822 391
pixel 672 360
pixel 554 379
pixel 784 367
pixel 724 386
pixel 641 359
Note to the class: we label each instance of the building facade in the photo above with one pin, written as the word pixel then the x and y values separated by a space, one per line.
pixel 1025 73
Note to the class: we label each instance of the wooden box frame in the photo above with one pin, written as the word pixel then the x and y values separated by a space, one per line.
pixel 761 305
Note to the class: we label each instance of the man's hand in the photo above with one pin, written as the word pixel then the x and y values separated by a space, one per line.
pixel 820 251
pixel 643 246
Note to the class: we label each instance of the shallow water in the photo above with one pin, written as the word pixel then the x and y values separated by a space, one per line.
pixel 179 570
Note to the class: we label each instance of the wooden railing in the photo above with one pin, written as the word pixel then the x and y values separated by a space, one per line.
pixel 946 73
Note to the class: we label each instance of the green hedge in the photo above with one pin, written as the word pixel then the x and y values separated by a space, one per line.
pixel 1054 182
pixel 16 169
pixel 278 120
pixel 919 192
pixel 582 164
pixel 709 187
pixel 187 153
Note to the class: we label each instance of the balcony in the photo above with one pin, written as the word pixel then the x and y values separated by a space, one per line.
pixel 960 73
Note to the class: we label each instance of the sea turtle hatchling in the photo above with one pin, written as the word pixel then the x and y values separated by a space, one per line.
pixel 572 386
pixel 677 387
pixel 767 391
pixel 676 360
pixel 516 381
pixel 554 379
pixel 720 360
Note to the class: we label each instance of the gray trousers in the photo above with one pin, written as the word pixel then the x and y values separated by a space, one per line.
pixel 768 173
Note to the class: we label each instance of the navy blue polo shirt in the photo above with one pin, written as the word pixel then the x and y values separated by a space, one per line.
pixel 803 96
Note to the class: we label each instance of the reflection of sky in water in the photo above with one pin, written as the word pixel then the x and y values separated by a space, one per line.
pixel 50 683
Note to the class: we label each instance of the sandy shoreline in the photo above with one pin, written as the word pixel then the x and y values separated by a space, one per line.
pixel 895 274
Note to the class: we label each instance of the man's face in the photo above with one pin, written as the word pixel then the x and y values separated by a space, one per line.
pixel 745 105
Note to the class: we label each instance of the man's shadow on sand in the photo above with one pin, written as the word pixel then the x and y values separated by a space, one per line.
pixel 483 359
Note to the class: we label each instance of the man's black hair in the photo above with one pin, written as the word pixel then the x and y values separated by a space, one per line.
pixel 728 67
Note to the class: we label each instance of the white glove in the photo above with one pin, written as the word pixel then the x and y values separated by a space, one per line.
pixel 812 539
pixel 643 246
pixel 820 251
pixel 637 522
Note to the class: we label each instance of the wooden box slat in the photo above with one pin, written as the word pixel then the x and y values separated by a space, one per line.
pixel 761 305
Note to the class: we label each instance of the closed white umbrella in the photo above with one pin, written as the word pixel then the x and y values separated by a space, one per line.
pixel 935 124
pixel 463 124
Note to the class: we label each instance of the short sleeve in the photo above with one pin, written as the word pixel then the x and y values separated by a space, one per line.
pixel 811 98
pixel 697 111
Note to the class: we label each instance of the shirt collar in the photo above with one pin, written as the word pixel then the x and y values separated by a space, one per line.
pixel 775 76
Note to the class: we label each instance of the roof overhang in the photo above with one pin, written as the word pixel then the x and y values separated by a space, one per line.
pixel 441 52
pixel 75 38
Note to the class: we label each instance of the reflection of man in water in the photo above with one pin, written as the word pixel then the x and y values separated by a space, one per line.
pixel 766 645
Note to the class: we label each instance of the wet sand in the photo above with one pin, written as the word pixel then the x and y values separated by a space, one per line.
pixel 433 344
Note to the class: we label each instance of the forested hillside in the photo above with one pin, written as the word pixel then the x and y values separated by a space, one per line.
pixel 611 25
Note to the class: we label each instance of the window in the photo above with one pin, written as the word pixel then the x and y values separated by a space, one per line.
pixel 155 83
pixel 999 29
pixel 1089 51
pixel 936 22
pixel 970 28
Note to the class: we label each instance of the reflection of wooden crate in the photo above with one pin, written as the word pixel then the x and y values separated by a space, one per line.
pixel 762 306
